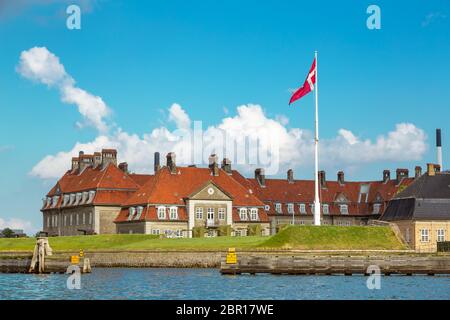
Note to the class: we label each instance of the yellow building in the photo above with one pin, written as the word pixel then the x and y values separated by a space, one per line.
pixel 422 210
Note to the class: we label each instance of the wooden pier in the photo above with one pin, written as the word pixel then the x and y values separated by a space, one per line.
pixel 298 264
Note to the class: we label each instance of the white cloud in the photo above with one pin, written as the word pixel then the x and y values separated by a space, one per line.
pixel 14 223
pixel 250 123
pixel 40 65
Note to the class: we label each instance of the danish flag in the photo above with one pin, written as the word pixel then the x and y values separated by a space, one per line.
pixel 308 85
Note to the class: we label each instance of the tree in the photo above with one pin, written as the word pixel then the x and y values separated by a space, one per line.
pixel 7 233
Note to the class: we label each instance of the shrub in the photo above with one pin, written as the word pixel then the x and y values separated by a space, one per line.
pixel 281 227
pixel 254 230
pixel 198 232
pixel 225 231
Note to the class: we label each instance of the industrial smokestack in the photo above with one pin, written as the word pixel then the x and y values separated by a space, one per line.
pixel 439 148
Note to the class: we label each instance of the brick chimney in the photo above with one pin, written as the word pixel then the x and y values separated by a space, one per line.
pixel 340 177
pixel 401 173
pixel 75 164
pixel 171 162
pixel 97 159
pixel 430 169
pixel 226 165
pixel 85 160
pixel 109 156
pixel 213 165
pixel 260 177
pixel 124 167
pixel 290 176
pixel 322 179
pixel 417 171
pixel 156 162
pixel 386 175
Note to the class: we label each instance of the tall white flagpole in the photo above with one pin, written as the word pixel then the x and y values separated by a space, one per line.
pixel 316 158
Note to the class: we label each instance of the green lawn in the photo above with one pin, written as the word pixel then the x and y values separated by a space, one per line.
pixel 335 238
pixel 299 237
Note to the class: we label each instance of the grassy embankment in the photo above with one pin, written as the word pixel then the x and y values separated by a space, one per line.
pixel 298 237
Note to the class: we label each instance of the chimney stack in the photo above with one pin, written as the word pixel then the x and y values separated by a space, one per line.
pixel 430 169
pixel 260 177
pixel 156 162
pixel 75 164
pixel 170 162
pixel 386 175
pixel 340 177
pixel 418 171
pixel 322 179
pixel 213 165
pixel 97 159
pixel 401 173
pixel 124 167
pixel 226 165
pixel 85 160
pixel 290 176
pixel 109 156
pixel 439 147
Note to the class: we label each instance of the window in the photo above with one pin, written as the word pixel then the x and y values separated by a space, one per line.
pixel 155 231
pixel 131 213
pixel 49 200
pixel 66 199
pixel 161 212
pixel 65 220
pixel 221 213
pixel 290 208
pixel 48 221
pixel 326 209
pixel 302 223
pixel 91 196
pixel 254 214
pixel 407 235
pixel 278 207
pixel 440 235
pixel 77 219
pixel 210 214
pixel 71 219
pixel 84 218
pixel 267 207
pixel 84 197
pixel 139 212
pixel 343 208
pixel 312 207
pixel 376 208
pixel 302 208
pixel 237 233
pixel 55 201
pixel 199 213
pixel 90 217
pixel 173 213
pixel 424 235
pixel 243 214
pixel 72 199
pixel 77 199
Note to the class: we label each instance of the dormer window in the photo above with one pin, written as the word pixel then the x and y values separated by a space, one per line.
pixel 161 212
pixel 139 211
pixel 325 209
pixel 91 196
pixel 302 208
pixel 84 197
pixel 173 211
pixel 49 201
pixel 66 199
pixel 55 201
pixel 131 212
pixel 72 199
pixel 343 208
pixel 243 214
pixel 267 207
pixel 278 207
pixel 77 198
pixel 254 214
pixel 290 207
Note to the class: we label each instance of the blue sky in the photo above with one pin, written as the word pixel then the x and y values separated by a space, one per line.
pixel 212 56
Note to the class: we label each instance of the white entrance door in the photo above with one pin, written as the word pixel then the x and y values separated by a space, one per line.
pixel 210 217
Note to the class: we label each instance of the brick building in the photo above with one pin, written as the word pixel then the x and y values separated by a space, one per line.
pixel 98 196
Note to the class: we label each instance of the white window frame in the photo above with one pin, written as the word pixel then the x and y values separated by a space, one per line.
pixel 173 213
pixel 90 217
pixel 325 208
pixel 84 218
pixel 440 235
pixel 424 235
pixel 267 207
pixel 254 214
pixel 161 212
pixel 290 208
pixel 71 219
pixel 243 214
pixel 221 213
pixel 278 207
pixel 139 211
pixel 77 219
pixel 343 209
pixel 302 208
pixel 131 213
pixel 199 213
pixel 155 231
